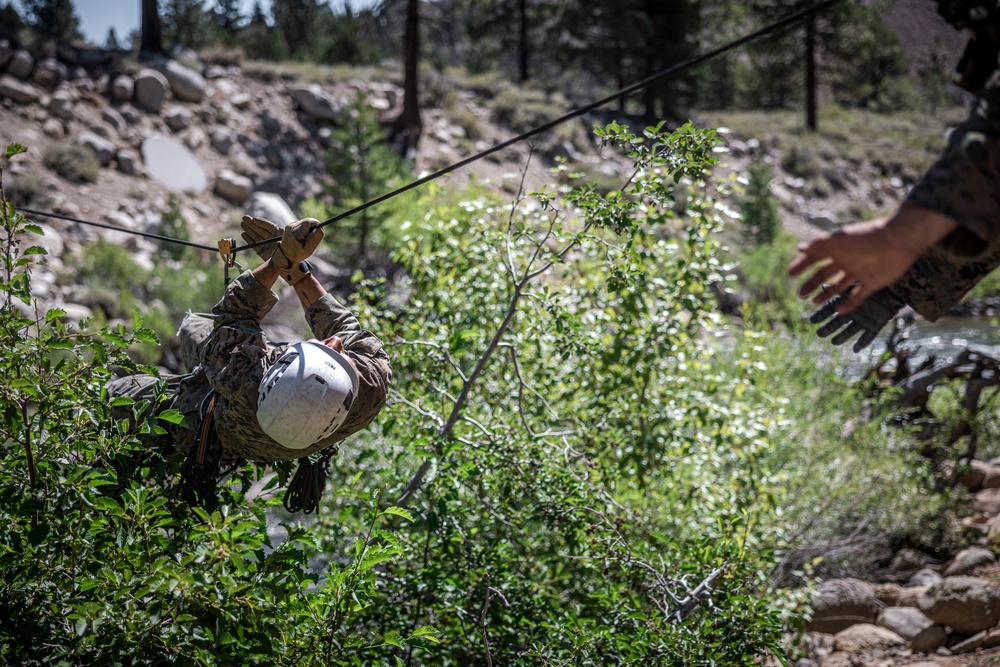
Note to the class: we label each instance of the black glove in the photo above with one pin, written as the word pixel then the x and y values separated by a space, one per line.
pixel 874 313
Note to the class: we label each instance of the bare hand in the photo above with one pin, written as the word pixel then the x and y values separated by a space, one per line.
pixel 864 257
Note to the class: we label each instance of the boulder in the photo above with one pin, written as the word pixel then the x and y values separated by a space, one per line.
pixel 128 162
pixel 968 644
pixel 316 104
pixel 972 476
pixel 841 603
pixel 6 52
pixel 865 637
pixel 838 659
pixel 150 90
pixel 270 124
pixel 177 118
pixel 894 595
pixel 49 73
pixel 991 478
pixel 122 88
pixel 968 560
pixel 231 186
pixel 271 207
pixel 923 578
pixel 223 139
pixel 909 559
pixel 74 313
pixel 61 104
pixel 241 101
pixel 988 501
pixel 170 163
pixel 129 113
pixel 104 149
pixel 922 633
pixel 965 604
pixel 53 129
pixel 20 64
pixel 185 83
pixel 18 91
pixel 114 119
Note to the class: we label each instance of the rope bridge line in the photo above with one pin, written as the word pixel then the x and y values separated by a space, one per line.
pixel 231 249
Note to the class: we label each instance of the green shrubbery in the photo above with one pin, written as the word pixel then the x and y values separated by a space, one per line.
pixel 73 162
pixel 573 462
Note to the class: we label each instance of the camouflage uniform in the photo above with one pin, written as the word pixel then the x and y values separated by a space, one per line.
pixel 232 357
pixel 964 185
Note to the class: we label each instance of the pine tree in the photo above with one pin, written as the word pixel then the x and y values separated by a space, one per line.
pixel 297 20
pixel 54 18
pixel 112 43
pixel 227 15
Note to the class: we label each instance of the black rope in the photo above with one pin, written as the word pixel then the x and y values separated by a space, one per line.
pixel 117 229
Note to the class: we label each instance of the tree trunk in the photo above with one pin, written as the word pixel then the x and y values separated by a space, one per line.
pixel 407 127
pixel 151 40
pixel 523 38
pixel 811 73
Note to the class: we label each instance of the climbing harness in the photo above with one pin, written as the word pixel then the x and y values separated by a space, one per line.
pixel 201 470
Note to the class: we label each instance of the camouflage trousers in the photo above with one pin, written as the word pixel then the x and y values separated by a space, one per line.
pixel 184 392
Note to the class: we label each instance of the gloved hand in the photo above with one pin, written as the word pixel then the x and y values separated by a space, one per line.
pixel 874 313
pixel 298 241
pixel 259 229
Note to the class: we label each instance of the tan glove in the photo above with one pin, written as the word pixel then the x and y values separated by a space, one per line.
pixel 298 241
pixel 256 230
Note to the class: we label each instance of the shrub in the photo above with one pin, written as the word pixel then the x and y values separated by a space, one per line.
pixel 761 223
pixel 73 162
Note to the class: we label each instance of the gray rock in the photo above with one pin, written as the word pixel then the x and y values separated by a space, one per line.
pixel 270 124
pixel 104 149
pixel 969 560
pixel 194 138
pixel 17 91
pixel 231 186
pixel 6 52
pixel 991 478
pixel 223 139
pixel 53 128
pixel 177 118
pixel 841 603
pixel 75 313
pixel 988 501
pixel 185 83
pixel 965 604
pixel 128 162
pixel 825 220
pixel 909 559
pixel 922 633
pixel 129 113
pixel 114 119
pixel 969 644
pixel 61 104
pixel 122 88
pixel 867 637
pixel 170 163
pixel 241 101
pixel 49 73
pixel 271 207
pixel 150 90
pixel 20 64
pixel 316 104
pixel 925 577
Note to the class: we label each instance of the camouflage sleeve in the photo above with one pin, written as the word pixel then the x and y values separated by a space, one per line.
pixel 964 184
pixel 234 354
pixel 328 317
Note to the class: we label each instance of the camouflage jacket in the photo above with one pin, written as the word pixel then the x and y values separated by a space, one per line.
pixel 236 354
pixel 964 184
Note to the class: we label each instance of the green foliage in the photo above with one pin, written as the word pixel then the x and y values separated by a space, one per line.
pixel 53 18
pixel 72 161
pixel 761 223
pixel 569 460
pixel 100 563
pixel 175 226
pixel 362 165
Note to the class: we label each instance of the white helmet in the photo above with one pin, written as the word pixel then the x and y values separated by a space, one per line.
pixel 306 395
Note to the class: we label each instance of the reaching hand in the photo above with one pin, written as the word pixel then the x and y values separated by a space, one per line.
pixel 852 263
pixel 865 257
pixel 259 229
pixel 868 318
